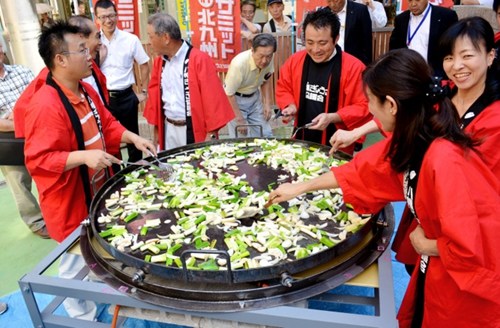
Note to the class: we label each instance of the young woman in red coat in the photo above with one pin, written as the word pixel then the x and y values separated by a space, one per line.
pixel 496 9
pixel 454 195
pixel 467 49
pixel 468 52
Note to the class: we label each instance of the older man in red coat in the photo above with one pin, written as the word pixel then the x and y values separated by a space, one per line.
pixel 186 101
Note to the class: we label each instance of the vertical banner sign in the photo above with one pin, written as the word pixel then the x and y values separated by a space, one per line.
pixel 303 7
pixel 182 14
pixel 128 19
pixel 216 29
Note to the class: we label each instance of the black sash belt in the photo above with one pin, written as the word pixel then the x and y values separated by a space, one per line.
pixel 410 186
pixel 333 95
pixel 77 128
pixel 187 97
pixel 101 90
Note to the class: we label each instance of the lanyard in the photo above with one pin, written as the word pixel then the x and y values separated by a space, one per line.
pixel 77 129
pixel 96 115
pixel 412 35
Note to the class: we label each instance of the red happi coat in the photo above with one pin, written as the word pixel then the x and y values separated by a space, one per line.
pixel 485 128
pixel 457 201
pixel 23 102
pixel 49 140
pixel 210 107
pixel 352 103
pixel 25 98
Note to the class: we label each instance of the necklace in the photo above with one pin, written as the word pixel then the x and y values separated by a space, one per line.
pixel 461 105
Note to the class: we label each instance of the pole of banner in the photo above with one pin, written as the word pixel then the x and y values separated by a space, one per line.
pixel 21 22
pixel 294 27
pixel 91 7
pixel 75 7
pixel 187 19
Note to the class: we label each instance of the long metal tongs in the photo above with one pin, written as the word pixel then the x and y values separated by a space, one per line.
pixel 141 162
pixel 167 169
pixel 306 126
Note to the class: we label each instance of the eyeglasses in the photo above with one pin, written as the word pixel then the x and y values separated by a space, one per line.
pixel 84 52
pixel 104 17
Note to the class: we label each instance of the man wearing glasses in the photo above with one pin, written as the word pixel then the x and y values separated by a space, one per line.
pixel 123 49
pixel 97 79
pixel 70 137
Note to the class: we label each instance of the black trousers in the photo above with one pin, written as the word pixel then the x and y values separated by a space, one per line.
pixel 124 106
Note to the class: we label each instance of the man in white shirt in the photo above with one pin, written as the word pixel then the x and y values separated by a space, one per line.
pixel 376 11
pixel 420 27
pixel 123 49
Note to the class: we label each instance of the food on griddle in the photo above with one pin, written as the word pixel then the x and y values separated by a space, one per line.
pixel 210 195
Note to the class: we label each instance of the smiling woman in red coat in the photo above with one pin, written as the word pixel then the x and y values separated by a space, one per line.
pixel 467 51
pixel 454 195
pixel 496 9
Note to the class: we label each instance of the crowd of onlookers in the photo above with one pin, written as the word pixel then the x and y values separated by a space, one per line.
pixel 434 96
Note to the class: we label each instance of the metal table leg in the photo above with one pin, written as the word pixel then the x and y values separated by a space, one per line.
pixel 281 316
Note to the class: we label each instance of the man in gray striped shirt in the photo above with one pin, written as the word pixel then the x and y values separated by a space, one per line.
pixel 13 80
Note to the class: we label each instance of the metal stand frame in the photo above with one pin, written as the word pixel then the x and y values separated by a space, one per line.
pixel 281 316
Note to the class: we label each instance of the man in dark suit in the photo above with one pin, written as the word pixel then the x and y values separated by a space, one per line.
pixel 355 28
pixel 420 28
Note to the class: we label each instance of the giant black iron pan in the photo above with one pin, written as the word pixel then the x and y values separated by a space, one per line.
pixel 258 176
pixel 224 297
